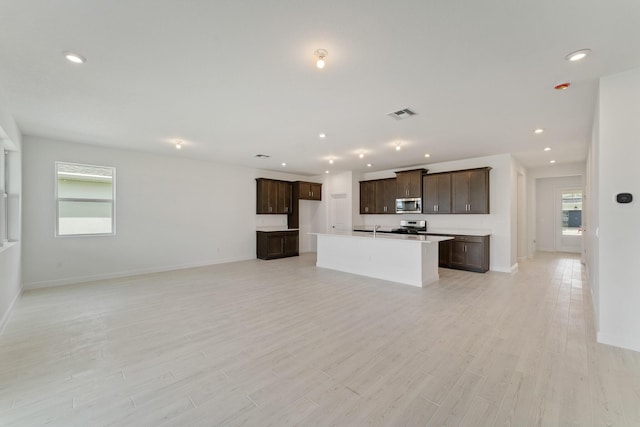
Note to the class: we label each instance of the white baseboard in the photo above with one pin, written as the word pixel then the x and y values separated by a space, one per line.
pixel 7 314
pixel 136 272
pixel 616 341
pixel 511 269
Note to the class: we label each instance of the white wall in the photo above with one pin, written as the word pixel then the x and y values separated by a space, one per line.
pixel 171 213
pixel 548 213
pixel 10 254
pixel 591 221
pixel 498 221
pixel 618 227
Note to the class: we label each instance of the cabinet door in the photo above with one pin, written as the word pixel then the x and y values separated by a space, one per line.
pixel 430 194
pixel 304 191
pixel 379 196
pixel 474 255
pixel 290 244
pixel 266 193
pixel 275 245
pixel 390 195
pixel 479 191
pixel 283 197
pixel 458 253
pixel 444 193
pixel 409 184
pixel 316 191
pixel 403 181
pixel 460 191
pixel 367 197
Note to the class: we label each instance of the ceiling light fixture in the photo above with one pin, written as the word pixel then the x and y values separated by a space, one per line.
pixel 322 135
pixel 361 155
pixel 326 171
pixel 577 55
pixel 547 149
pixel 74 57
pixel 368 165
pixel 178 144
pixel 397 147
pixel 320 54
pixel 538 131
pixel 331 161
pixel 562 86
pixel 552 161
pixel 427 155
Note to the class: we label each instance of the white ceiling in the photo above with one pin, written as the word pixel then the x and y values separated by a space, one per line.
pixel 237 78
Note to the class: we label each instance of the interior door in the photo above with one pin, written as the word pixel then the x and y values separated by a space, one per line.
pixel 339 212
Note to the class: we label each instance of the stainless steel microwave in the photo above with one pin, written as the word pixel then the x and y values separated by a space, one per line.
pixel 409 205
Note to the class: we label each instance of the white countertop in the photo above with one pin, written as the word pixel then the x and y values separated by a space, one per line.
pixel 387 236
pixel 274 228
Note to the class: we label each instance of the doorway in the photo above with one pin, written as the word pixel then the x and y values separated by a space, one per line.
pixel 569 220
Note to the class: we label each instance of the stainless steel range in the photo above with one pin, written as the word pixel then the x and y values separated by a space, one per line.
pixel 411 227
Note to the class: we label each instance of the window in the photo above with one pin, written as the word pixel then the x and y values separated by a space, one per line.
pixel 85 197
pixel 572 213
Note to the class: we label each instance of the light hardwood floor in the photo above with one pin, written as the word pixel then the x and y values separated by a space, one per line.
pixel 281 342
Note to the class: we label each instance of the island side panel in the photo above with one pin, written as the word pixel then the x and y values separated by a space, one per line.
pixel 401 261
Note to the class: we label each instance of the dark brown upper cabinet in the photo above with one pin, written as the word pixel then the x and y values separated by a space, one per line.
pixel 308 190
pixel 385 196
pixel 470 191
pixel 367 197
pixel 273 196
pixel 436 193
pixel 409 183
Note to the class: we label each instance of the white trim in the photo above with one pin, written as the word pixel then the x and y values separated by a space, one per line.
pixel 91 278
pixel 511 269
pixel 7 314
pixel 617 341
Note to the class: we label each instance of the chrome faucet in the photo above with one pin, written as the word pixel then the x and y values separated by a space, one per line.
pixel 375 228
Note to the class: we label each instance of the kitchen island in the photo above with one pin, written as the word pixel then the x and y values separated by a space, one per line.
pixel 407 259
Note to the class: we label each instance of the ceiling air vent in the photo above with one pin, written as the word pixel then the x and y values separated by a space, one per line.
pixel 262 156
pixel 402 114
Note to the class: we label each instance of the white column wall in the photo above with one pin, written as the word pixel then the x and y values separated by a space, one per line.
pixel 618 231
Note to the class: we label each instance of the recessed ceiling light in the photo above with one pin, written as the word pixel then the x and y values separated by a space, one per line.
pixel 74 57
pixel 178 144
pixel 361 155
pixel 331 161
pixel 547 149
pixel 552 161
pixel 577 55
pixel 427 155
pixel 320 54
pixel 283 164
pixel 397 147
pixel 326 171
pixel 322 135
pixel 538 131
pixel 368 165
pixel 562 86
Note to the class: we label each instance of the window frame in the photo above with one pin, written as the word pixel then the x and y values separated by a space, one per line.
pixel 76 199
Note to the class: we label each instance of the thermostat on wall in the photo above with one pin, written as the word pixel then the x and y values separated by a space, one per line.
pixel 624 198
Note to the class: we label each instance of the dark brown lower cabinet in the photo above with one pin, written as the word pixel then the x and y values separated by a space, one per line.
pixel 276 244
pixel 469 253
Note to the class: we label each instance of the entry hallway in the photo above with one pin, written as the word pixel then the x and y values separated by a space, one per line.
pixel 281 343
